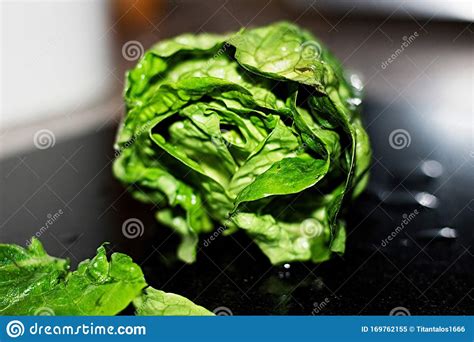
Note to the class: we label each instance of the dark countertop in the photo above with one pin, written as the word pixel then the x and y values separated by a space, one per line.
pixel 419 270
pixel 425 274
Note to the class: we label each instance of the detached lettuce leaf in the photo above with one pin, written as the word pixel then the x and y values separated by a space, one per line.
pixel 30 280
pixel 249 131
pixel 158 303
pixel 34 283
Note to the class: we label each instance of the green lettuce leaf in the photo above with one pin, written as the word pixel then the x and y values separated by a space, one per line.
pixel 158 303
pixel 35 283
pixel 31 281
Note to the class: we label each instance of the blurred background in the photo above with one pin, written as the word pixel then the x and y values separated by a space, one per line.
pixel 65 60
pixel 62 72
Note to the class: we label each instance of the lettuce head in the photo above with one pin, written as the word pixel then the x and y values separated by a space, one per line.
pixel 257 130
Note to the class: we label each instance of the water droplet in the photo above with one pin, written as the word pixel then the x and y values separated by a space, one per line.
pixel 427 200
pixel 437 233
pixel 354 102
pixel 68 238
pixel 448 233
pixel 405 198
pixel 404 242
pixel 431 168
pixel 356 82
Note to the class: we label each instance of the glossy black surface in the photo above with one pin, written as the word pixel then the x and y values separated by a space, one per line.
pixel 419 270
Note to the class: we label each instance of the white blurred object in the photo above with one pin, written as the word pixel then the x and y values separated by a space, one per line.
pixel 428 9
pixel 55 58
